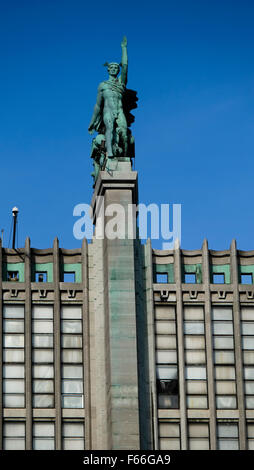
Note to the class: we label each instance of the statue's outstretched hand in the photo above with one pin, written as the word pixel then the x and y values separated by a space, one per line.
pixel 91 129
pixel 124 42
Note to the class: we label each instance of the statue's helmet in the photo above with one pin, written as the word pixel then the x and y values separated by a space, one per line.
pixel 109 65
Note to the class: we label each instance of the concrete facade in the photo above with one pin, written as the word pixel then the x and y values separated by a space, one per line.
pixel 141 349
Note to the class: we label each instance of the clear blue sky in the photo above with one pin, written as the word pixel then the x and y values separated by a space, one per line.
pixel 192 63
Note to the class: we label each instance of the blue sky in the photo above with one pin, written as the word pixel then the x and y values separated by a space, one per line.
pixel 192 63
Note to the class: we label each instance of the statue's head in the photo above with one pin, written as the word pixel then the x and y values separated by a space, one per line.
pixel 113 68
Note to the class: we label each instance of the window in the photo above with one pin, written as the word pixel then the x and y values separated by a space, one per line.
pixel 43 436
pixel 218 278
pixel 247 330
pixel 250 435
pixel 41 276
pixel 190 278
pixel 169 435
pixel 13 276
pixel 72 360
pixel 73 435
pixel 246 279
pixel 161 278
pixel 198 433
pixel 224 357
pixel 13 357
pixel 227 435
pixel 166 358
pixel 195 357
pixel 43 356
pixel 69 277
pixel 13 435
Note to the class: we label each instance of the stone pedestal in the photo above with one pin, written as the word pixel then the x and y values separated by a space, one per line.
pixel 113 325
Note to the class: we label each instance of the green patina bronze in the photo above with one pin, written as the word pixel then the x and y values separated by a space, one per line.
pixel 111 117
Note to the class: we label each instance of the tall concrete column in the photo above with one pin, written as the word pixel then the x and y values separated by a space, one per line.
pixel 114 297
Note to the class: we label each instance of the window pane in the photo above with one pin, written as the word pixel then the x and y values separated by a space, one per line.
pixel 43 444
pixel 42 326
pixel 13 401
pixel 13 355
pixel 72 355
pixel 197 402
pixel 72 401
pixel 193 313
pixel 167 401
pixel 42 311
pixel 222 328
pixel 14 429
pixel 42 341
pixel 71 326
pixel 43 386
pixel 73 429
pixel 13 341
pixel 72 372
pixel 169 444
pixel 43 401
pixel 227 444
pixel 166 372
pixel 199 444
pixel 195 357
pixel 13 326
pixel 248 328
pixel 43 429
pixel 72 386
pixel 11 443
pixel 194 342
pixel 225 388
pixel 195 373
pixel 198 430
pixel 166 357
pixel 227 430
pixel 249 373
pixel 13 371
pixel 248 342
pixel 196 387
pixel 46 372
pixel 247 313
pixel 73 311
pixel 223 343
pixel 169 430
pixel 165 342
pixel 222 313
pixel 165 312
pixel 224 357
pixel 194 328
pixel 224 373
pixel 73 444
pixel 249 403
pixel 13 386
pixel 13 311
pixel 165 327
pixel 42 355
pixel 226 402
pixel 69 341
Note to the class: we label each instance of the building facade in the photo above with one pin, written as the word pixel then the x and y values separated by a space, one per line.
pixel 119 346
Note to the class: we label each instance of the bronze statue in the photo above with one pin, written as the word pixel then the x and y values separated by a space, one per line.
pixel 111 117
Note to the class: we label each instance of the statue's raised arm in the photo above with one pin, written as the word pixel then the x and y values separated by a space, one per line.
pixel 124 71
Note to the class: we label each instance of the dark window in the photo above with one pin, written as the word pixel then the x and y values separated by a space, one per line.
pixel 218 278
pixel 69 277
pixel 41 277
pixel 161 278
pixel 190 278
pixel 246 278
pixel 13 276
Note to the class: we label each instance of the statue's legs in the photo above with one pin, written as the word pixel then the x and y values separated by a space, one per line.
pixel 122 125
pixel 109 124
